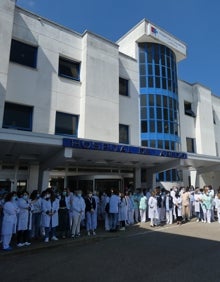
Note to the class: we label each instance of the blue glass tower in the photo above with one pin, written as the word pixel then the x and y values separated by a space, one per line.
pixel 159 100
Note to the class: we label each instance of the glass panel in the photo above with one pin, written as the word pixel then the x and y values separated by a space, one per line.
pixel 123 134
pixel 143 126
pixel 151 100
pixel 143 113
pixel 159 113
pixel 159 127
pixel 69 68
pixel 151 113
pixel 158 100
pixel 142 69
pixel 150 81
pixel 143 100
pixel 23 54
pixel 142 58
pixel 66 124
pixel 152 126
pixel 123 86
pixel 143 82
pixel 17 116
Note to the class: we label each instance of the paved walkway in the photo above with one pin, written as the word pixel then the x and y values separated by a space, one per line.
pixel 191 229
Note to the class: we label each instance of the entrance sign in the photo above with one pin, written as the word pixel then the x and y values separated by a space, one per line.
pixel 120 148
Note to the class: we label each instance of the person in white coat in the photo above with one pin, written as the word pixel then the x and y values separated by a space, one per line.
pixel 153 209
pixel 177 201
pixel 77 207
pixel 50 207
pixel 122 211
pixel 217 205
pixel 143 208
pixel 197 204
pixel 9 222
pixel 24 220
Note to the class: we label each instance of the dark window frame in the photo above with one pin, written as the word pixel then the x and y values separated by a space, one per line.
pixel 23 53
pixel 13 114
pixel 188 109
pixel 59 130
pixel 67 67
pixel 124 139
pixel 123 86
pixel 190 145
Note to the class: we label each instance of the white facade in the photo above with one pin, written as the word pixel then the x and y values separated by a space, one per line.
pixel 37 156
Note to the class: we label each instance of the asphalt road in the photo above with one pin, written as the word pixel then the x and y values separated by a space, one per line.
pixel 190 253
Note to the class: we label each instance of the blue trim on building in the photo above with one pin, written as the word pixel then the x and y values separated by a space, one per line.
pixel 119 148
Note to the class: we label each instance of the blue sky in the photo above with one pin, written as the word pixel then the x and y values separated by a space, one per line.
pixel 195 22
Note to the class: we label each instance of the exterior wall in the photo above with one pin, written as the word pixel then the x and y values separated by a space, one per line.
pixel 187 123
pixel 129 106
pixel 100 91
pixel 95 99
pixel 216 113
pixel 6 23
pixel 45 90
pixel 205 139
pixel 127 44
pixel 193 127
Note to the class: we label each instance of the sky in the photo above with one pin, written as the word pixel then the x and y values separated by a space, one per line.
pixel 195 22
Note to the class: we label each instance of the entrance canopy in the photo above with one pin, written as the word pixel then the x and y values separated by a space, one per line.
pixel 52 151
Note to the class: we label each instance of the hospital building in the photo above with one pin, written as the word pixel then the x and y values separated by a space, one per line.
pixel 81 111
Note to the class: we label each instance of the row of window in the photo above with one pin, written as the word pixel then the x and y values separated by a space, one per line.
pixel 26 55
pixel 157 67
pixel 170 145
pixel 161 144
pixel 20 117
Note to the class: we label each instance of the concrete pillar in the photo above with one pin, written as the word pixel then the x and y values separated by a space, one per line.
pixel 137 178
pixel 44 177
pixel 193 175
pixel 151 179
pixel 33 178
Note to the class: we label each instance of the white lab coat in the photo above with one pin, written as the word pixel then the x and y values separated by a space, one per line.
pixel 24 215
pixel 152 208
pixel 178 202
pixel 48 206
pixel 9 218
pixel 197 203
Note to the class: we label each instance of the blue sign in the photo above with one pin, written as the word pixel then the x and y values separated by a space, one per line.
pixel 119 148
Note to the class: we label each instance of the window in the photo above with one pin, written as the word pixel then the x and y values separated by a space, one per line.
pixel 214 116
pixel 69 69
pixel 17 116
pixel 23 54
pixel 66 124
pixel 190 145
pixel 123 86
pixel 188 109
pixel 123 134
pixel 143 126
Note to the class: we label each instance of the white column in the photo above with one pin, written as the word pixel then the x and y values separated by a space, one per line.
pixel 45 179
pixel 193 175
pixel 33 178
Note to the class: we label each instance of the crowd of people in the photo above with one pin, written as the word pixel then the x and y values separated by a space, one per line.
pixel 51 215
